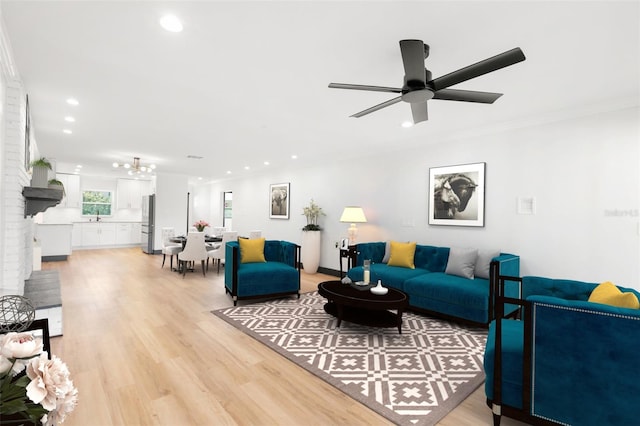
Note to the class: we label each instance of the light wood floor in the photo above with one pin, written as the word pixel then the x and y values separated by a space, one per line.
pixel 144 349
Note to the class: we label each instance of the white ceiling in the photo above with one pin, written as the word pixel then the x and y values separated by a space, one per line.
pixel 246 82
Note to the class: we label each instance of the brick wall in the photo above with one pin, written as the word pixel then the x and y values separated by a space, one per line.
pixel 16 232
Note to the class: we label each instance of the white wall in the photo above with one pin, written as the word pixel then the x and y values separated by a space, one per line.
pixel 583 172
pixel 171 205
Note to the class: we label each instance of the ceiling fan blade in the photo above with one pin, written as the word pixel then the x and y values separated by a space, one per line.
pixel 419 112
pixel 466 96
pixel 365 87
pixel 377 107
pixel 494 63
pixel 413 54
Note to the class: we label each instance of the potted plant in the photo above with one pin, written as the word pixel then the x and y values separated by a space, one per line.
pixel 311 238
pixel 40 174
pixel 56 184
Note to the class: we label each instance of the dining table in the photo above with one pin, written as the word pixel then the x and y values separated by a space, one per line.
pixel 207 239
pixel 183 240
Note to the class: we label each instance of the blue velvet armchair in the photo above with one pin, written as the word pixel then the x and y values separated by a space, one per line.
pixel 278 276
pixel 566 360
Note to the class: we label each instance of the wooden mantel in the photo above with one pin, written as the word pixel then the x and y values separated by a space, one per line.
pixel 39 199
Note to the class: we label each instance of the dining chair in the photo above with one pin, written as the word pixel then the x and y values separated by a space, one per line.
pixel 194 251
pixel 255 234
pixel 218 254
pixel 169 248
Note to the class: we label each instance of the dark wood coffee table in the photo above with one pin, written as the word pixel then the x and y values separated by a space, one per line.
pixel 362 306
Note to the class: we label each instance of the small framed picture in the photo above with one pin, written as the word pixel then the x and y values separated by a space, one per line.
pixel 456 195
pixel 279 201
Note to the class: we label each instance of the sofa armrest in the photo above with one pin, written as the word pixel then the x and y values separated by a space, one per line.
pixel 591 344
pixel 291 254
pixel 373 251
pixel 506 266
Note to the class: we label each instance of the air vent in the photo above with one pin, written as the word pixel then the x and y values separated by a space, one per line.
pixel 195 157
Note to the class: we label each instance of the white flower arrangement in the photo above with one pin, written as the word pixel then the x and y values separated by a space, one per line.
pixel 33 387
pixel 312 213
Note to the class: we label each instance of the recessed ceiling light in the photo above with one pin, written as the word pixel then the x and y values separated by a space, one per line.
pixel 67 131
pixel 73 101
pixel 171 23
pixel 228 172
pixel 69 119
pixel 79 166
pixel 294 156
pixel 246 167
pixel 266 163
pixel 407 124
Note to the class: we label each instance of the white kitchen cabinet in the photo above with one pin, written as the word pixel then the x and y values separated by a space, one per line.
pixel 55 240
pixel 96 234
pixel 128 233
pixel 136 232
pixel 71 184
pixel 129 194
pixel 76 235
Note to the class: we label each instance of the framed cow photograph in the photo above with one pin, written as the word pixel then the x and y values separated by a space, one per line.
pixel 279 201
pixel 456 195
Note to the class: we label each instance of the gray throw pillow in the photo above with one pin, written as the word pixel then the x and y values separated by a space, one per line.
pixel 484 261
pixel 387 252
pixel 461 262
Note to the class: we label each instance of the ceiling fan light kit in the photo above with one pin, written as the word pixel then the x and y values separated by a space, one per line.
pixel 419 86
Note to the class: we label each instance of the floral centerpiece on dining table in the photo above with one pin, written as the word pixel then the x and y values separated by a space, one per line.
pixel 33 388
pixel 200 225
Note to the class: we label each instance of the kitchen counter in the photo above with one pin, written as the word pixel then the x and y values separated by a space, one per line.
pixel 55 240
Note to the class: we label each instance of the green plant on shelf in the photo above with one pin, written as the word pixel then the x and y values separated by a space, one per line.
pixel 42 162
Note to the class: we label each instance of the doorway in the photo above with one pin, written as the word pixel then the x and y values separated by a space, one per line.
pixel 227 216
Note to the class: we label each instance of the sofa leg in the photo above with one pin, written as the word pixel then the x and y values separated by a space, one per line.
pixel 164 256
pixel 497 414
pixel 496 420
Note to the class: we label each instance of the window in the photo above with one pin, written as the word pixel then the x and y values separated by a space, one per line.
pixel 96 203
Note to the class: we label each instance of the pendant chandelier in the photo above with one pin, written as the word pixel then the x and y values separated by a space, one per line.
pixel 136 167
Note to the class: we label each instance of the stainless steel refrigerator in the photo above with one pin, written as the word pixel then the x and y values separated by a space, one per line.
pixel 148 222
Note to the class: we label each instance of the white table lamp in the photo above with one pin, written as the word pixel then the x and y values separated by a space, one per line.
pixel 353 215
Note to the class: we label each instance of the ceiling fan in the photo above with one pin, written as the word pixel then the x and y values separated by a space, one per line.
pixel 419 87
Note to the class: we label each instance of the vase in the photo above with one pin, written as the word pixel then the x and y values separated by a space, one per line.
pixel 40 177
pixel 200 228
pixel 310 251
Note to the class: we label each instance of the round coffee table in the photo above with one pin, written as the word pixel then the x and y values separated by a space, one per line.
pixel 363 307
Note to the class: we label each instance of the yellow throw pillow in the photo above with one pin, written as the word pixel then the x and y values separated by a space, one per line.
pixel 251 250
pixel 607 293
pixel 402 254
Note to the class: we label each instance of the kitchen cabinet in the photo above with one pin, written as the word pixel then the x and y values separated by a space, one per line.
pixel 72 196
pixel 130 192
pixel 55 240
pixel 101 234
pixel 98 234
pixel 128 233
pixel 76 235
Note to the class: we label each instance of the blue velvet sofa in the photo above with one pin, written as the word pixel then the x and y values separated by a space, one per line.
pixel 566 360
pixel 431 289
pixel 278 276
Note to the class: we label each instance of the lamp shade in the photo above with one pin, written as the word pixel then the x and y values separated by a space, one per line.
pixel 353 214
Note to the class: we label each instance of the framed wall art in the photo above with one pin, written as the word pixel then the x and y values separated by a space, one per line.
pixel 279 201
pixel 27 136
pixel 456 195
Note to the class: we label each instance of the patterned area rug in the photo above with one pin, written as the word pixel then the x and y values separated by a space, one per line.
pixel 413 378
